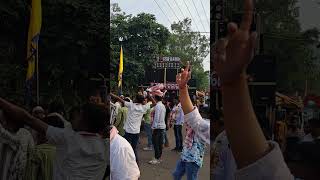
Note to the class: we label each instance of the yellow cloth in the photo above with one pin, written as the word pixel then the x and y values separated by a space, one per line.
pixel 120 67
pixel 33 36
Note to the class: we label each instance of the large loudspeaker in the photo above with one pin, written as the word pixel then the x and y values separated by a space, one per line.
pixel 263 69
pixel 171 75
pixel 262 94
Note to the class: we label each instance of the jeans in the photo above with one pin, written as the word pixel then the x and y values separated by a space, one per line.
pixel 133 139
pixel 178 135
pixel 157 140
pixel 147 128
pixel 190 168
pixel 165 137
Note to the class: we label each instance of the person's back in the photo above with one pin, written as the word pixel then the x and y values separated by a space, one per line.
pixel 159 121
pixel 135 114
pixel 81 153
pixel 122 159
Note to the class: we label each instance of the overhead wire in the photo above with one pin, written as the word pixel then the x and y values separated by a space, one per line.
pixel 163 12
pixel 172 10
pixel 195 7
pixel 192 19
pixel 179 9
pixel 208 21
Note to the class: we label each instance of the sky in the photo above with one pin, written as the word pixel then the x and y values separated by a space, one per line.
pixel 309 13
pixel 167 14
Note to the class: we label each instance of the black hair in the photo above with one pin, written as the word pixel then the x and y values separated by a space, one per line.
pixel 95 117
pixel 54 121
pixel 158 98
pixel 140 98
pixel 127 99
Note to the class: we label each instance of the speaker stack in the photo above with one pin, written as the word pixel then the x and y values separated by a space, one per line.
pixel 262 81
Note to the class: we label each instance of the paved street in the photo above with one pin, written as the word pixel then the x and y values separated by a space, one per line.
pixel 163 171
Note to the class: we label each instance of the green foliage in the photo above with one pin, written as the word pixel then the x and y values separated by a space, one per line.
pixel 73 40
pixel 144 39
pixel 292 47
pixel 190 46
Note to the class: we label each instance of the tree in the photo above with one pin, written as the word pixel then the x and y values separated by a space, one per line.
pixel 143 40
pixel 284 39
pixel 73 43
pixel 190 46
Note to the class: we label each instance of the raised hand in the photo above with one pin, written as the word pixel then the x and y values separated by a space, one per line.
pixel 233 54
pixel 183 77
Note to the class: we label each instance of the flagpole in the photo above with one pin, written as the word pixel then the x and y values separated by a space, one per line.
pixel 120 88
pixel 37 61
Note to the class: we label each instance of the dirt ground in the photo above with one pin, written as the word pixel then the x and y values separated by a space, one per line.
pixel 164 170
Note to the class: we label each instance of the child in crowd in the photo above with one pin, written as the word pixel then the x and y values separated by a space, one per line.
pixel 81 153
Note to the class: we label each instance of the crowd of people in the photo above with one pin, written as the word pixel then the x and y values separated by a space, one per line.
pixel 49 144
pixel 158 114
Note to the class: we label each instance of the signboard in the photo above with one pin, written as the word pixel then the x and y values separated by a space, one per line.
pixel 168 86
pixel 167 63
pixel 168 59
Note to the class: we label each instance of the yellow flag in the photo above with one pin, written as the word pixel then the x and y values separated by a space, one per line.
pixel 33 37
pixel 120 67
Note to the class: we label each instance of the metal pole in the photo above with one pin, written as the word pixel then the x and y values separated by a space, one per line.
pixel 165 76
pixel 37 61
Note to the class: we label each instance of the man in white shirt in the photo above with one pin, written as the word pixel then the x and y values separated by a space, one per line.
pixel 122 159
pixel 132 125
pixel 158 126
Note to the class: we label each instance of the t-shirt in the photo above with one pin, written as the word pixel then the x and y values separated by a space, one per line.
pixel 134 118
pixel 122 159
pixel 224 165
pixel 121 118
pixel 177 115
pixel 147 116
pixel 79 155
pixel 159 116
